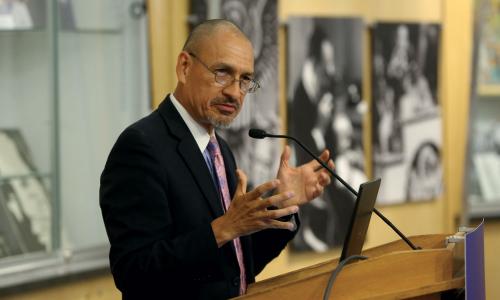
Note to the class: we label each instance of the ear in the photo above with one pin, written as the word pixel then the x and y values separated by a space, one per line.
pixel 183 66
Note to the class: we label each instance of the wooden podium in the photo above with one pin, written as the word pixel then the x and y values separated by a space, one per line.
pixel 392 271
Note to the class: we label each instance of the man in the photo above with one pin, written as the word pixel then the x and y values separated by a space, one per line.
pixel 180 221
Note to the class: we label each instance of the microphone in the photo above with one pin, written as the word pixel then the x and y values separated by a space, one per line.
pixel 260 134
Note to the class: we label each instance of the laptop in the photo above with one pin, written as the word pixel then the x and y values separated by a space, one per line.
pixel 360 218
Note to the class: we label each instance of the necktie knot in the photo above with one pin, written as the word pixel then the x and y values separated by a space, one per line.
pixel 213 147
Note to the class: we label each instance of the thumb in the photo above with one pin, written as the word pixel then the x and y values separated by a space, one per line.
pixel 285 156
pixel 241 189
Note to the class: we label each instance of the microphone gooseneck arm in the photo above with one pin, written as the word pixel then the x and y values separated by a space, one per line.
pixel 260 134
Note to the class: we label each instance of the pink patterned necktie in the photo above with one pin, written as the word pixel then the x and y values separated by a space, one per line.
pixel 216 156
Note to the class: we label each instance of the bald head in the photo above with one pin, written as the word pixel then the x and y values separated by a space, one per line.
pixel 207 29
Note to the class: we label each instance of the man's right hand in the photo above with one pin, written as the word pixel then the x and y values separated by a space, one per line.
pixel 249 213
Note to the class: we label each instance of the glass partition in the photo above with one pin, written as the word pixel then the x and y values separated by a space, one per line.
pixel 103 88
pixel 26 128
pixel 483 178
pixel 73 75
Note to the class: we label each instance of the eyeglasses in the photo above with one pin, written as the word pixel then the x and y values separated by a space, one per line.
pixel 247 84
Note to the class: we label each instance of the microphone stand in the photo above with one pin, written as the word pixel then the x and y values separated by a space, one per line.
pixel 353 191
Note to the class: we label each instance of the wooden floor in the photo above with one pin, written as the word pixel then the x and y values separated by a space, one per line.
pixel 99 287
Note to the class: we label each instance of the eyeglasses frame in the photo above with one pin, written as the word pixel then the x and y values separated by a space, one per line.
pixel 253 86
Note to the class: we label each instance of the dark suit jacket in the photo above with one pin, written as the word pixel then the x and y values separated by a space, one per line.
pixel 158 200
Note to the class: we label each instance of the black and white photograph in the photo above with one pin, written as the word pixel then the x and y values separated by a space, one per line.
pixel 24 200
pixel 326 110
pixel 259 21
pixel 406 117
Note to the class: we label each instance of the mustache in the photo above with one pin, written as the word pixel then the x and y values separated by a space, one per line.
pixel 230 101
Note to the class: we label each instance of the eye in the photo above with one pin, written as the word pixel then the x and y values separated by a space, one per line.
pixel 246 78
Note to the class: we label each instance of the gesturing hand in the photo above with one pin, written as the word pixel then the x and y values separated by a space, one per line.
pixel 248 212
pixel 306 181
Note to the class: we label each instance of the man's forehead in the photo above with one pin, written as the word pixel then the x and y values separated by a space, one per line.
pixel 223 38
pixel 230 50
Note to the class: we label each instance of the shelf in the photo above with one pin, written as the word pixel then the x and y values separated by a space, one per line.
pixel 484 210
pixel 489 90
pixel 39 267
pixel 17 30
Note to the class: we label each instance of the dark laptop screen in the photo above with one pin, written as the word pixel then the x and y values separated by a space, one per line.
pixel 360 218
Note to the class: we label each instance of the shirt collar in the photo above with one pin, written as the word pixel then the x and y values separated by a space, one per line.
pixel 200 134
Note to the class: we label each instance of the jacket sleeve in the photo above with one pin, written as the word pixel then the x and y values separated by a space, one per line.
pixel 268 244
pixel 137 215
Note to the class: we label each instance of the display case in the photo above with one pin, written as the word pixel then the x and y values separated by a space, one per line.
pixel 27 131
pixel 73 74
pixel 482 182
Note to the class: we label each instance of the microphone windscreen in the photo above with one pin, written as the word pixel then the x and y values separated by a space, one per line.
pixel 257 133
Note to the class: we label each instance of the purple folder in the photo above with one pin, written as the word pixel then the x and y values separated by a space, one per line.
pixel 474 264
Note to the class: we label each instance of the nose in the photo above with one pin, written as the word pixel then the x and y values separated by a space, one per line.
pixel 233 90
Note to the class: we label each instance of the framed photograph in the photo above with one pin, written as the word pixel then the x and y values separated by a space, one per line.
pixel 406 117
pixel 325 111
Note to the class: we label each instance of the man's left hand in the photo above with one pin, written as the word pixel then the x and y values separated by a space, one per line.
pixel 307 181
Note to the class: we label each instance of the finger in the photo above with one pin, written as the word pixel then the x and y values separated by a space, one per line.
pixel 262 189
pixel 275 200
pixel 324 178
pixel 285 156
pixel 330 164
pixel 281 212
pixel 275 224
pixel 323 157
pixel 318 190
pixel 242 182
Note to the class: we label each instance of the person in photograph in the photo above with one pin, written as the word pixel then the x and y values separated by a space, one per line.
pixel 386 109
pixel 311 115
pixel 349 156
pixel 177 212
pixel 313 99
pixel 419 82
pixel 417 97
pixel 387 131
pixel 401 55
pixel 398 67
pixel 427 56
pixel 424 180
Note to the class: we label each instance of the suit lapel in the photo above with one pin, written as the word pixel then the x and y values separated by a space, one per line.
pixel 190 153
